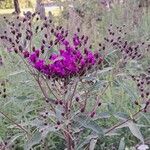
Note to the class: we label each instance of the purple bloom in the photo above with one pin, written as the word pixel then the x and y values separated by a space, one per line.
pixel 76 40
pixel 39 65
pixel 69 62
pixel 65 42
pixel 33 57
pixel 90 57
pixel 26 54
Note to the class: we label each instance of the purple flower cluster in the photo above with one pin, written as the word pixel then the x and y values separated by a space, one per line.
pixel 68 62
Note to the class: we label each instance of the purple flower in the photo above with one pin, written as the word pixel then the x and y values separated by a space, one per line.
pixel 33 57
pixel 90 57
pixel 39 65
pixel 26 54
pixel 65 42
pixel 68 62
pixel 76 40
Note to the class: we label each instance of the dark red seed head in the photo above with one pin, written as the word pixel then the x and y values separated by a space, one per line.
pixel 92 114
pixel 56 102
pixel 77 99
pixel 136 103
pixel 4 95
pixel 61 102
pixel 99 104
pixel 82 110
pixel 16 50
pixel 58 122
pixel 26 54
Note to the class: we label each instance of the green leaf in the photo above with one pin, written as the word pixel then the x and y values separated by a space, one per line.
pixel 121 116
pixel 35 139
pixel 98 85
pixel 46 129
pixel 16 136
pixel 122 144
pixel 105 70
pixel 16 73
pixel 86 141
pixel 59 110
pixel 103 115
pixel 135 130
pixel 21 97
pixel 128 89
pixel 92 144
pixel 86 122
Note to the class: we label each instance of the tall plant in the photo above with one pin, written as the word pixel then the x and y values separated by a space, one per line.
pixel 71 77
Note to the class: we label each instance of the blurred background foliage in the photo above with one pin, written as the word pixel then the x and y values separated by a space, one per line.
pixel 8 4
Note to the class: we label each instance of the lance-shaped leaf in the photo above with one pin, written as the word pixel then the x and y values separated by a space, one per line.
pixel 88 123
pixel 35 139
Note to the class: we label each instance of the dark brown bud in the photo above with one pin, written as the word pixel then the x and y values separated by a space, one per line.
pixel 142 95
pixel 4 90
pixel 33 48
pixel 20 48
pixel 45 35
pixel 56 102
pixel 4 95
pixel 92 114
pixel 136 103
pixel 51 43
pixel 99 104
pixel 61 102
pixel 24 20
pixel 52 30
pixel 103 48
pixel 19 24
pixel 30 24
pixel 45 25
pixel 50 21
pixel 20 35
pixel 43 41
pixel 77 99
pixel 82 110
pixel 13 31
pixel 16 50
pixel 58 122
pixel 63 114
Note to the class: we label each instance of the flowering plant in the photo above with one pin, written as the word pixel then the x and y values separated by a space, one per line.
pixel 71 77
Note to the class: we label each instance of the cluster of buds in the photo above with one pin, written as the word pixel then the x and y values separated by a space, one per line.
pixel 129 50
pixel 143 84
pixel 3 89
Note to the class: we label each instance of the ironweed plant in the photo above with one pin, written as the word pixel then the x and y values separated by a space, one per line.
pixel 70 76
